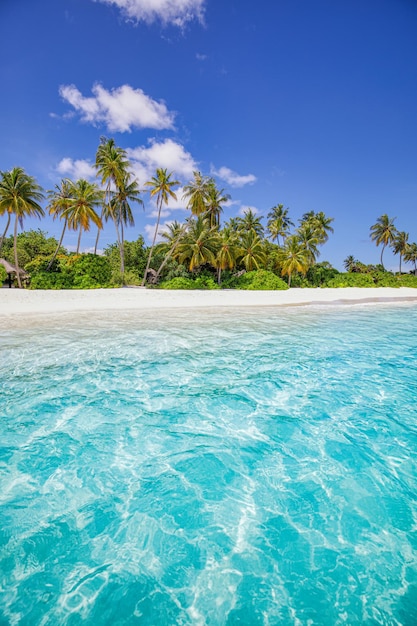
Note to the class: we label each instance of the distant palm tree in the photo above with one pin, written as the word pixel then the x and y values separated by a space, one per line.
pixel 252 253
pixel 196 193
pixel 200 244
pixel 399 245
pixel 85 198
pixel 59 200
pixel 112 166
pixel 20 195
pixel 383 232
pixel 278 222
pixel 160 186
pixel 410 255
pixel 350 263
pixel 293 257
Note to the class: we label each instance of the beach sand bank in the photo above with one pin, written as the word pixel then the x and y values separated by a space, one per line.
pixel 25 302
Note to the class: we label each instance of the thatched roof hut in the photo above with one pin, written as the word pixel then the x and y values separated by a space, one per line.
pixel 11 269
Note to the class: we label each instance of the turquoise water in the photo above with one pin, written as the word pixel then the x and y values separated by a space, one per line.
pixel 254 467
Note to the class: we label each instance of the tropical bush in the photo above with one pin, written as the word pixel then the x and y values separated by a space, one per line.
pixel 77 271
pixel 30 245
pixel 350 280
pixel 257 280
pixel 408 280
pixel 179 282
pixel 3 274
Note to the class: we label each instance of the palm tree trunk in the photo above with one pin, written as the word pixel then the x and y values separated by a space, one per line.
pixel 219 275
pixel 57 248
pixel 400 262
pixel 5 230
pixel 382 252
pixel 153 242
pixel 169 254
pixel 79 239
pixel 98 232
pixel 122 250
pixel 16 260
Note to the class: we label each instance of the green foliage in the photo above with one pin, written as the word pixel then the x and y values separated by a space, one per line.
pixel 350 280
pixel 3 274
pixel 408 280
pixel 130 277
pixel 135 256
pixel 319 275
pixel 179 283
pixel 30 245
pixel 256 280
pixel 77 271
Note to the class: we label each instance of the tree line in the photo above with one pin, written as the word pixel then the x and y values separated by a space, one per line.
pixel 200 244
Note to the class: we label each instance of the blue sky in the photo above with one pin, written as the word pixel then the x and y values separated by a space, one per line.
pixel 311 104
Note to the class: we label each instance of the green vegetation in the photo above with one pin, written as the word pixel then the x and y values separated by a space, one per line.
pixel 200 253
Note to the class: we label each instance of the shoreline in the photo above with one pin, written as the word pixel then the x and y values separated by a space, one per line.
pixel 16 302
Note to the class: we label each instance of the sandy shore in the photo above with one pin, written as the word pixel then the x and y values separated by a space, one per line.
pixel 24 302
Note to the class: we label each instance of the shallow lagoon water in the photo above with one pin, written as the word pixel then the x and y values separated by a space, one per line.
pixel 205 467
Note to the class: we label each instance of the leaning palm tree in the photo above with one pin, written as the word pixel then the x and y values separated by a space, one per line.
pixel 399 245
pixel 59 199
pixel 383 232
pixel 308 236
pixel 278 222
pixel 196 193
pixel 20 195
pixel 173 236
pixel 127 191
pixel 160 186
pixel 112 165
pixel 410 255
pixel 200 244
pixel 293 257
pixel 81 210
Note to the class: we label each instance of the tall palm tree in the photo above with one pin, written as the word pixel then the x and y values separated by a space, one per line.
pixel 410 255
pixel 215 199
pixel 196 193
pixel 112 165
pixel 81 210
pixel 200 244
pixel 252 252
pixel 399 245
pixel 20 195
pixel 293 257
pixel 160 186
pixel 320 223
pixel 383 232
pixel 127 190
pixel 59 199
pixel 278 222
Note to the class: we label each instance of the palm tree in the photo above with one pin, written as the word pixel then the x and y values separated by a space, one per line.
pixel 111 164
pixel 320 223
pixel 278 222
pixel 410 255
pixel 399 244
pixel 228 251
pixel 383 232
pixel 197 193
pixel 85 197
pixel 252 253
pixel 20 195
pixel 127 190
pixel 309 238
pixel 293 257
pixel 350 263
pixel 173 236
pixel 200 244
pixel 249 221
pixel 215 199
pixel 59 199
pixel 161 187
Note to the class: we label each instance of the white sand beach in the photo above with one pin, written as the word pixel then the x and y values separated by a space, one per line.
pixel 25 302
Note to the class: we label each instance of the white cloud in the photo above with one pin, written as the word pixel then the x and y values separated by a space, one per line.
pixel 201 57
pixel 176 12
pixel 79 168
pixel 232 178
pixel 166 154
pixel 120 109
pixel 245 208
